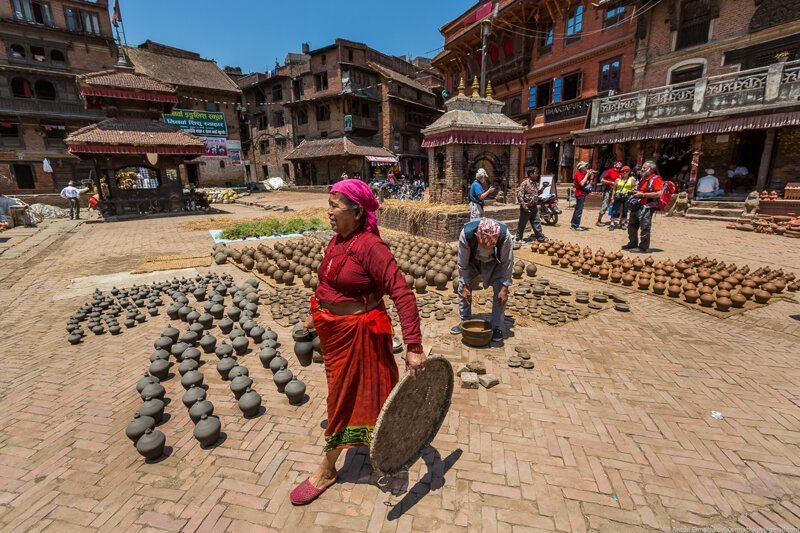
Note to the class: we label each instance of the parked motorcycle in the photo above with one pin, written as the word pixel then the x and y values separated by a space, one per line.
pixel 548 204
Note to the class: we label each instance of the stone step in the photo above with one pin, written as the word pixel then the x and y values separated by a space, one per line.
pixel 719 218
pixel 718 203
pixel 714 211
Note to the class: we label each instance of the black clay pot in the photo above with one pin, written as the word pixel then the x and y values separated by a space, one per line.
pixel 145 381
pixel 163 343
pixel 225 365
pixel 190 337
pixel 225 325
pixel 183 312
pixel 74 339
pixel 193 395
pixel 153 390
pixel 266 355
pixel 172 312
pixel 216 311
pixel 187 365
pixel 172 333
pixel 159 369
pixel 281 378
pixel 207 430
pixel 153 408
pixel 208 343
pixel 250 403
pixel 159 354
pixel 301 335
pixel 238 370
pixel 234 313
pixel 151 444
pixel 130 323
pixel 304 350
pixel 223 350
pixel 203 407
pixel 206 320
pixel 115 329
pixel 137 427
pixel 240 345
pixel 98 330
pixel 192 317
pixel 240 384
pixel 256 334
pixel 199 295
pixel 270 335
pixel 295 390
pixel 191 353
pixel 269 343
pixel 277 363
pixel 236 333
pixel 248 325
pixel 140 318
pixel 198 328
pixel 192 378
pixel 178 348
pixel 152 310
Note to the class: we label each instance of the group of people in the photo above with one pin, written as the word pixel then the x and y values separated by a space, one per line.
pixel 629 199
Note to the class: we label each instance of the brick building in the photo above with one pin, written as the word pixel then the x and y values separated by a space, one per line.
pixel 717 84
pixel 547 60
pixel 373 100
pixel 44 46
pixel 270 136
pixel 201 86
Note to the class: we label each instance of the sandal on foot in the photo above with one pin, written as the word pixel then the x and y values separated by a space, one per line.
pixel 305 493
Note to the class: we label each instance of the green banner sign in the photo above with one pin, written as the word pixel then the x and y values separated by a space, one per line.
pixel 201 123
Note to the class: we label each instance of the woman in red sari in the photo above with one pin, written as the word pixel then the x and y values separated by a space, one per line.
pixel 355 331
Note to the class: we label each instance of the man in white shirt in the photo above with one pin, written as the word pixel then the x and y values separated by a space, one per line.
pixel 72 195
pixel 708 186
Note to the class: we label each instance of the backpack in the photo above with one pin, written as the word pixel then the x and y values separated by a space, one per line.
pixel 667 190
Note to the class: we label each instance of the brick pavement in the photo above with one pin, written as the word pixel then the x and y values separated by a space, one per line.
pixel 610 432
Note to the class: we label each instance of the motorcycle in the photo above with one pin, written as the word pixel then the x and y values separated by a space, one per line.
pixel 548 204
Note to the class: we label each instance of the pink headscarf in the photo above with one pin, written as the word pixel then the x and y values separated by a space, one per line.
pixel 359 193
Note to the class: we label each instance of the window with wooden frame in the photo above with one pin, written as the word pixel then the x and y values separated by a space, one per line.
pixel 686 73
pixel 574 25
pixel 695 21
pixel 609 76
pixel 323 112
pixel 571 86
pixel 32 11
pixel 302 116
pixel 546 35
pixel 10 133
pixel 613 16
pixel 321 81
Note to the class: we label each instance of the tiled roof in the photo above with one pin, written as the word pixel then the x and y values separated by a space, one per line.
pixel 337 147
pixel 181 71
pixel 125 79
pixel 400 78
pixel 114 131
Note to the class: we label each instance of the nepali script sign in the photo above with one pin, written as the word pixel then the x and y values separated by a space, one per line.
pixel 201 123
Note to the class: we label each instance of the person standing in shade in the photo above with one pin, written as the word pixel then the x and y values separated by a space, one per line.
pixel 644 203
pixel 72 195
pixel 607 181
pixel 623 188
pixel 528 198
pixel 478 193
pixel 485 249
pixel 581 180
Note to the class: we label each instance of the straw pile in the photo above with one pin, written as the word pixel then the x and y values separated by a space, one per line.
pixel 418 213
pixel 222 223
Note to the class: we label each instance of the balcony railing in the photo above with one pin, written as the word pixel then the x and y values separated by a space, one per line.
pixel 367 123
pixel 30 106
pixel 774 86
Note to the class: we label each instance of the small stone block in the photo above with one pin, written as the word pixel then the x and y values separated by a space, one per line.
pixel 489 380
pixel 461 369
pixel 469 380
pixel 478 367
pixel 528 364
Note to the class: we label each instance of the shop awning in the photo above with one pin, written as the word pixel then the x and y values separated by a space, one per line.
pixel 129 95
pixel 641 131
pixel 380 159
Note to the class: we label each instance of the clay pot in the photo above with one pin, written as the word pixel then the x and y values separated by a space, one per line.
pixel 193 395
pixel 762 297
pixel 769 287
pixel 225 365
pixel 239 384
pixel 151 444
pixel 277 363
pixel 207 430
pixel 705 289
pixel 145 381
pixel 723 304
pixel 198 409
pixel 628 280
pixel 153 408
pixel 691 296
pixel 644 283
pixel 191 353
pixel 706 300
pixel 153 390
pixel 238 370
pixel 295 390
pixel 250 403
pixel 616 276
pixel 659 288
pixel 737 300
pixel 780 285
pixel 159 369
pixel 192 378
pixel 266 355
pixel 420 285
pixel 440 280
pixel 674 290
pixel 281 378
pixel 240 345
pixel 747 291
pixel 138 426
pixel 530 269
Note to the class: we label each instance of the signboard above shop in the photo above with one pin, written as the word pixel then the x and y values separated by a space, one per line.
pixel 197 122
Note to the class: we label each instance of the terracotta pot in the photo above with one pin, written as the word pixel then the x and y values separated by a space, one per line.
pixel 761 297
pixel 737 300
pixel 659 288
pixel 644 283
pixel 723 304
pixel 706 300
pixel 769 287
pixel 603 274
pixel 674 291
pixel 747 291
pixel 691 296
pixel 616 277
pixel 628 280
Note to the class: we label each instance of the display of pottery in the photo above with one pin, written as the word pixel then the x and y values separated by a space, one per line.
pixel 249 403
pixel 193 395
pixel 151 444
pixel 198 409
pixel 207 430
pixel 239 385
pixel 137 427
pixel 295 390
pixel 153 408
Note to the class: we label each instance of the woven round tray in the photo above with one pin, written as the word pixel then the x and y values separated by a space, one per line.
pixel 411 417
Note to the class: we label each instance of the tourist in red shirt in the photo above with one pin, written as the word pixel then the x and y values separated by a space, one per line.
pixel 607 181
pixel 581 181
pixel 644 202
pixel 350 317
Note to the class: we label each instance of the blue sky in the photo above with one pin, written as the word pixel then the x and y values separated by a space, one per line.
pixel 252 33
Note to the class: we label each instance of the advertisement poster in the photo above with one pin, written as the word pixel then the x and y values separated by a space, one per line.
pixel 216 147
pixel 546 182
pixel 201 123
pixel 235 152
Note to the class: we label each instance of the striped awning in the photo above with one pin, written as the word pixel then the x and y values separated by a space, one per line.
pixel 638 132
pixel 129 95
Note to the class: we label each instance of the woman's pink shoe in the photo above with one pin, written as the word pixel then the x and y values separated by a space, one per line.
pixel 305 493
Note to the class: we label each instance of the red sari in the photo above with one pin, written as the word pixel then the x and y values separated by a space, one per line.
pixel 359 363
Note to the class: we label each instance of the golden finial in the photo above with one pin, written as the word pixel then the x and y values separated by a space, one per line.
pixel 489 90
pixel 476 88
pixel 461 86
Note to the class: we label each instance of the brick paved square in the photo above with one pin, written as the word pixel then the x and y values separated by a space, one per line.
pixel 611 431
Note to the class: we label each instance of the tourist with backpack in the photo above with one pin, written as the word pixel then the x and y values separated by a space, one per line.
pixel 652 194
